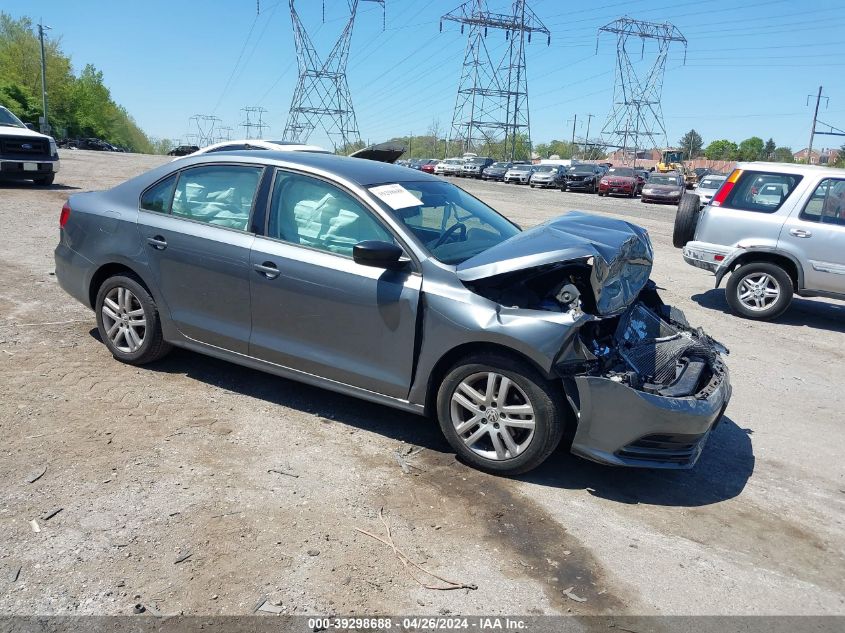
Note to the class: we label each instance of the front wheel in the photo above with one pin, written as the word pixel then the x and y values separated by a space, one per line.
pixel 500 415
pixel 129 322
pixel 45 181
pixel 759 290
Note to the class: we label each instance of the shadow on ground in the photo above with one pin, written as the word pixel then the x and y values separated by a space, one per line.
pixel 821 314
pixel 722 472
pixel 29 185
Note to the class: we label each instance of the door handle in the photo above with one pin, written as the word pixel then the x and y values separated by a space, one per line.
pixel 158 242
pixel 268 269
pixel 800 233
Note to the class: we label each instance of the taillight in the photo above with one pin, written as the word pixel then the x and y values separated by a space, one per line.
pixel 725 189
pixel 65 215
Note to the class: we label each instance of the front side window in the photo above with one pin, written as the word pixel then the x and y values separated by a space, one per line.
pixel 221 195
pixel 452 224
pixel 311 212
pixel 157 198
pixel 827 204
pixel 762 192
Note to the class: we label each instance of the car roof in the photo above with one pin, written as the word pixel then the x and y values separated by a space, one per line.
pixel 358 170
pixel 793 168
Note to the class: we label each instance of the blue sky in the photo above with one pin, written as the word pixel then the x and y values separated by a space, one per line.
pixel 749 64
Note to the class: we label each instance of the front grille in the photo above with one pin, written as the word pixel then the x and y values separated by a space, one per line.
pixel 22 146
pixel 674 449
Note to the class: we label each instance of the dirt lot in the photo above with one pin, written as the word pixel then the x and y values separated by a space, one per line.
pixel 169 496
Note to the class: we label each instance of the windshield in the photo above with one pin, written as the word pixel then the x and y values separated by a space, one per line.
pixel 501 165
pixel 662 180
pixel 521 168
pixel 477 161
pixel 452 224
pixel 9 119
pixel 711 183
pixel 581 170
pixel 548 168
pixel 622 172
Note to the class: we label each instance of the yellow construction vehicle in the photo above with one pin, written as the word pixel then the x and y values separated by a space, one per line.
pixel 673 160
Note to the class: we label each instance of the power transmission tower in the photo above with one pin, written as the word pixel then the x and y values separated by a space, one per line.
pixel 223 134
pixel 636 120
pixel 253 119
pixel 322 93
pixel 204 125
pixel 492 101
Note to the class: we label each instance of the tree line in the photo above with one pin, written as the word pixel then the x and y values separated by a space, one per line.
pixel 753 148
pixel 79 105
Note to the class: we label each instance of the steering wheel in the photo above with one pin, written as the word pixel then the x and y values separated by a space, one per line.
pixel 448 233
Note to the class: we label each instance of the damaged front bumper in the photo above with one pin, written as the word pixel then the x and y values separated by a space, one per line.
pixel 654 398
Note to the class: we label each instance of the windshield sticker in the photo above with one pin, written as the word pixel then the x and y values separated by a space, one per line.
pixel 396 196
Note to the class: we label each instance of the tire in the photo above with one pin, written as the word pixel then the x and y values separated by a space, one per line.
pixel 115 309
pixel 526 386
pixel 773 278
pixel 45 181
pixel 686 219
pixel 601 194
pixel 532 186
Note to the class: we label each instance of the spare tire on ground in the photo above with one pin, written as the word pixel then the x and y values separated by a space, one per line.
pixel 686 219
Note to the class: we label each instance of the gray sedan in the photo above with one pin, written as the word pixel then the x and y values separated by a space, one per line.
pixel 397 287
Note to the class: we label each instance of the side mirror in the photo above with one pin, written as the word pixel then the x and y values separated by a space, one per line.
pixel 30 126
pixel 379 254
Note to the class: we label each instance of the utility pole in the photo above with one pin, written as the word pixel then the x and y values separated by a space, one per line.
pixel 45 126
pixel 587 138
pixel 572 148
pixel 813 129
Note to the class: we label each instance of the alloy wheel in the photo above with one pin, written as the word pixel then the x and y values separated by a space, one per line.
pixel 758 291
pixel 492 415
pixel 124 320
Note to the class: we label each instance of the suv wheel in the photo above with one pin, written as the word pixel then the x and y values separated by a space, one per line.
pixel 128 321
pixel 499 415
pixel 45 180
pixel 686 219
pixel 759 290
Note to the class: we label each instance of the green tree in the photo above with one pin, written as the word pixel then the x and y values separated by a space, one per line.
pixel 751 149
pixel 769 149
pixel 840 159
pixel 782 155
pixel 721 150
pixel 691 143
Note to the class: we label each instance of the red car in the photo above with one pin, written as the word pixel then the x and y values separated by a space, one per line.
pixel 620 181
pixel 429 166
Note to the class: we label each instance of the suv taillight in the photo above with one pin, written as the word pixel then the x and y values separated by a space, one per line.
pixel 65 215
pixel 725 189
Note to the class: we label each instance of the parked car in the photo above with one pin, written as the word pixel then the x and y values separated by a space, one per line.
pixel 449 167
pixel 183 150
pixel 778 229
pixel 429 166
pixel 668 187
pixel 496 171
pixel 583 177
pixel 314 267
pixel 547 176
pixel 474 167
pixel 707 186
pixel 24 153
pixel 520 174
pixel 619 181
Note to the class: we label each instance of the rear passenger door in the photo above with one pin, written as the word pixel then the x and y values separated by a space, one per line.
pixel 815 233
pixel 195 232
pixel 316 310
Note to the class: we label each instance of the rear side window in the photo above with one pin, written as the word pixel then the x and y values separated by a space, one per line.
pixel 157 198
pixel 827 204
pixel 762 192
pixel 221 195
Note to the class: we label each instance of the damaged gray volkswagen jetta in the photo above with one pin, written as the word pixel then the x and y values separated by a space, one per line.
pixel 397 287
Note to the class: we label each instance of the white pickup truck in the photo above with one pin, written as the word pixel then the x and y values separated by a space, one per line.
pixel 24 153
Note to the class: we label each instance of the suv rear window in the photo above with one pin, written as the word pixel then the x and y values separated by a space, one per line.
pixel 762 192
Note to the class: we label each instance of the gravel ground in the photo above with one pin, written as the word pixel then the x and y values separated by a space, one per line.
pixel 194 486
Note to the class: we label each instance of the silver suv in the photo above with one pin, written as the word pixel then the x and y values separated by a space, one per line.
pixel 778 228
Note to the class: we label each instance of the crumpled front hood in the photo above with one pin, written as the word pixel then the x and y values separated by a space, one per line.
pixel 620 252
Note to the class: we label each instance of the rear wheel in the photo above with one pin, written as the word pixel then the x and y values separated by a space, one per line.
pixel 686 219
pixel 128 321
pixel 499 414
pixel 759 290
pixel 45 180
